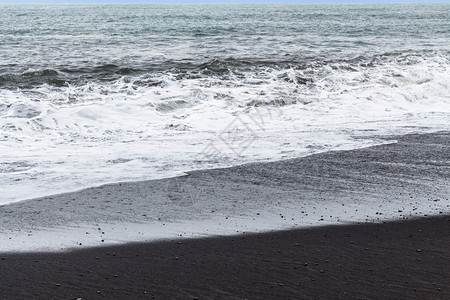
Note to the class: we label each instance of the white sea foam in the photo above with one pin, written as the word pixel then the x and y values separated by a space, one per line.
pixel 155 125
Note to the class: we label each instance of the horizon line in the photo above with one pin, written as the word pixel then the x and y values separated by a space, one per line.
pixel 220 2
pixel 231 2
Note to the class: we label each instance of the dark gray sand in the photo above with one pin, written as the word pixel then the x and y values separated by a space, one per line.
pixel 396 181
pixel 396 260
pixel 404 259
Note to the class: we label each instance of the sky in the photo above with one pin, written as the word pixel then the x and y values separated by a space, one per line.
pixel 224 1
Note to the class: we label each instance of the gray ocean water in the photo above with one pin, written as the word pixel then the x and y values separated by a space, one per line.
pixel 75 44
pixel 103 93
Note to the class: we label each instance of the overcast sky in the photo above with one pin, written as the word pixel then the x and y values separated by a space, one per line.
pixel 225 1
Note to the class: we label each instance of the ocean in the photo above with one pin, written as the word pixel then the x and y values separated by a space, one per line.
pixel 95 94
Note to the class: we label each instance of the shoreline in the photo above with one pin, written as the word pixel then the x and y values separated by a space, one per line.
pixel 376 140
pixel 402 180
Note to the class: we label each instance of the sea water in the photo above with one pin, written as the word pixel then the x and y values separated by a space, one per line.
pixel 94 94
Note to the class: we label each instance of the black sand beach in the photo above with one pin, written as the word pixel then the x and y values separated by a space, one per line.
pixel 406 179
pixel 404 259
pixel 397 260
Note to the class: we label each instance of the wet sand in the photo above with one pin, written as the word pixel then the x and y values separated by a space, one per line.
pixel 402 180
pixel 357 255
